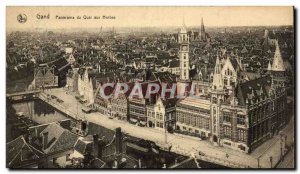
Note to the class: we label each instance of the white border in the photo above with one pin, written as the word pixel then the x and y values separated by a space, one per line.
pixel 5 3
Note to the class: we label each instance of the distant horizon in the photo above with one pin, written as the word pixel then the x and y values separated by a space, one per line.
pixel 144 17
pixel 136 28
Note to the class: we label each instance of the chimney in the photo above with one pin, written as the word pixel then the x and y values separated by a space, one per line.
pixel 45 140
pixel 96 145
pixel 118 140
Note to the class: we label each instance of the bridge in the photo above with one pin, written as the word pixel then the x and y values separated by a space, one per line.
pixel 24 95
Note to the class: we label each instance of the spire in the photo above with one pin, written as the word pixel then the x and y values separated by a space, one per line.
pixel 183 27
pixel 217 68
pixel 217 78
pixel 86 75
pixel 266 35
pixel 278 64
pixel 269 66
pixel 202 30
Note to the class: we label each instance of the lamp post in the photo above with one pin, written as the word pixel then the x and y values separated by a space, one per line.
pixel 271 161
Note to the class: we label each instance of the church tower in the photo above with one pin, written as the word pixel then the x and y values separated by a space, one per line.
pixel 217 98
pixel 202 34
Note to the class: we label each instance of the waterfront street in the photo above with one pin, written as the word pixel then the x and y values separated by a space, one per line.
pixel 181 144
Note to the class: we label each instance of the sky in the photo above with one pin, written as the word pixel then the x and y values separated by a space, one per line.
pixel 148 16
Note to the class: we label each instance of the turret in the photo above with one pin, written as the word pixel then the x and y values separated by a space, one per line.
pixel 217 77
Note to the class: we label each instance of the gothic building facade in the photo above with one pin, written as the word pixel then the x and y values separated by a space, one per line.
pixel 237 112
pixel 85 87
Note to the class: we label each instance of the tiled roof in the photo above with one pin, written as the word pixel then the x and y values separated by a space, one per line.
pixel 83 147
pixel 252 91
pixel 21 154
pixel 59 139
pixel 60 64
pixel 172 64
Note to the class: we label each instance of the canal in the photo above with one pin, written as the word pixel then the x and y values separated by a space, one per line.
pixel 38 111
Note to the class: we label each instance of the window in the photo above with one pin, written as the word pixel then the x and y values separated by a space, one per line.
pixel 160 116
pixel 241 135
pixel 214 100
pixel 161 125
pixel 227 132
pixel 241 119
pixel 206 124
pixel 227 117
pixel 225 81
pixel 254 116
pixel 231 82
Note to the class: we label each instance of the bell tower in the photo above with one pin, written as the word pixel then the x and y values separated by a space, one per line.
pixel 184 63
pixel 183 41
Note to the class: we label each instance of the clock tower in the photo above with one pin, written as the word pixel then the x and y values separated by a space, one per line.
pixel 184 79
pixel 183 40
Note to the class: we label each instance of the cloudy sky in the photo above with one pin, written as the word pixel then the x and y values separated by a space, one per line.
pixel 148 16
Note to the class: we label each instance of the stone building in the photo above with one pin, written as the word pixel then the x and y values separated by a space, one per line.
pixel 120 104
pixel 193 117
pixel 237 111
pixel 44 77
pixel 162 114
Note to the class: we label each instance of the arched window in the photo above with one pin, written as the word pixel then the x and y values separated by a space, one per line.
pixel 214 100
pixel 225 81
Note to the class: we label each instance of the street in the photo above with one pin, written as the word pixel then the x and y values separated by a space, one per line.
pixel 180 143
pixel 288 161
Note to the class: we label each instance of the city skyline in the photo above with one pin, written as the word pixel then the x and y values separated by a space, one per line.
pixel 196 97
